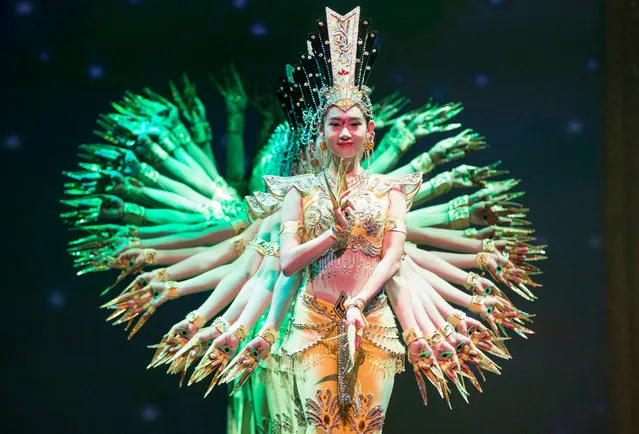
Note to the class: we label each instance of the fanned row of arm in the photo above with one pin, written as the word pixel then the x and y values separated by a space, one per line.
pixel 150 202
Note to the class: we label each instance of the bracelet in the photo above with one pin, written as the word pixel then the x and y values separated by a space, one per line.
pixel 150 256
pixel 399 137
pixel 134 243
pixel 240 333
pixel 447 329
pixel 394 224
pixel 239 226
pixel 441 183
pixel 456 317
pixel 133 231
pixel 423 163
pixel 471 281
pixel 481 260
pixel 221 324
pixel 269 334
pixel 476 304
pixel 182 133
pixel 340 235
pixel 294 227
pixel 434 338
pixel 265 248
pixel 148 174
pixel 235 124
pixel 357 302
pixel 161 275
pixel 411 335
pixel 194 318
pixel 471 233
pixel 202 133
pixel 240 245
pixel 458 201
pixel 459 218
pixel 168 144
pixel 134 213
pixel 172 289
pixel 488 245
pixel 155 154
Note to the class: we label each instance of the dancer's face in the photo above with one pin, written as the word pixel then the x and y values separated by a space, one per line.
pixel 346 131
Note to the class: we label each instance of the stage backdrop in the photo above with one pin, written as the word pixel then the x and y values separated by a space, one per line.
pixel 529 75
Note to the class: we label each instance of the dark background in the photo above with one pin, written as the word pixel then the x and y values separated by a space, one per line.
pixel 529 74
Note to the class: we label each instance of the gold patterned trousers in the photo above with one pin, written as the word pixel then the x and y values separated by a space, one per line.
pixel 311 350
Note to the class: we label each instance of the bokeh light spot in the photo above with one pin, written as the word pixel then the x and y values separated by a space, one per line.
pixel 95 71
pixel 24 8
pixel 12 142
pixel 149 413
pixel 259 29
pixel 481 80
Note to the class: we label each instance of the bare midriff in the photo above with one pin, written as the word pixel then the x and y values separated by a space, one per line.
pixel 336 272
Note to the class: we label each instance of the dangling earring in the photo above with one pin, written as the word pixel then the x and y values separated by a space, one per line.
pixel 324 149
pixel 369 146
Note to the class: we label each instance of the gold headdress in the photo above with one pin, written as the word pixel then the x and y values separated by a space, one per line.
pixel 333 72
pixel 346 53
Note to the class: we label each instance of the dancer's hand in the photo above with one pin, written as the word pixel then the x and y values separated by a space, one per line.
pixel 232 89
pixel 454 148
pixel 355 318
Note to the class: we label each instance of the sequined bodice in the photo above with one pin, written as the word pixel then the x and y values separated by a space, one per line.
pixel 366 223
pixel 369 198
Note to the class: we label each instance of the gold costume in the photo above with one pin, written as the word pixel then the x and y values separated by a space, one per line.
pixel 333 398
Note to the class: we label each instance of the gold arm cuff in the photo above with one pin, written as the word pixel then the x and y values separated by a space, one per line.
pixel 172 289
pixel 134 213
pixel 293 227
pixel 181 133
pixel 476 304
pixel 239 226
pixel 265 248
pixel 240 332
pixel 340 235
pixel 458 201
pixel 194 318
pixel 133 231
pixel 399 137
pixel 434 338
pixel 447 329
pixel 488 245
pixel 134 243
pixel 394 224
pixel 148 174
pixel 459 218
pixel 411 335
pixel 358 302
pixel 150 256
pixel 455 317
pixel 221 324
pixel 161 275
pixel 471 281
pixel 240 245
pixel 269 334
pixel 441 183
pixel 471 232
pixel 423 163
pixel 481 260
